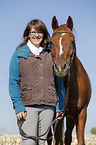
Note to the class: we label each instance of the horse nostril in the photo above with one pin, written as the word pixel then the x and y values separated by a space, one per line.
pixel 64 66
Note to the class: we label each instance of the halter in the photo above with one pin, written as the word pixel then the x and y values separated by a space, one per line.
pixel 74 49
pixel 62 32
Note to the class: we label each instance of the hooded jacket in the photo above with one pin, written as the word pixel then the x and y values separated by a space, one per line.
pixel 31 79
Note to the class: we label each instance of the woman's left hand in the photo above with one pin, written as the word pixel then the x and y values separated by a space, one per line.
pixel 59 118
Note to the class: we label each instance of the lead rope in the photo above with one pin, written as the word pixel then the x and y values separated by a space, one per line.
pixel 22 133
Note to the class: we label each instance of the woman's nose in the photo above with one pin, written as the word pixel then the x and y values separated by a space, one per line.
pixel 36 34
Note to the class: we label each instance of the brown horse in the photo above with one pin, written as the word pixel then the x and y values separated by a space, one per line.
pixel 76 81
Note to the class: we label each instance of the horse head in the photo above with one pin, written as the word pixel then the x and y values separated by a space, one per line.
pixel 62 46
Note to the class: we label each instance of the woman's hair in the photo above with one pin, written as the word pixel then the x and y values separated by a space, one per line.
pixel 38 26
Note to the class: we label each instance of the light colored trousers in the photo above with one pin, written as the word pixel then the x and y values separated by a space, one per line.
pixel 38 120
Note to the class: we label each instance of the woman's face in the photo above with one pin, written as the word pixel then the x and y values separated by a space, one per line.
pixel 35 37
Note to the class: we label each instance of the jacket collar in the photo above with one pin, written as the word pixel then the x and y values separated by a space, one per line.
pixel 24 51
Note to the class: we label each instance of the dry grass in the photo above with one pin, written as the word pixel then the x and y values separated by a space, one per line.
pixel 16 140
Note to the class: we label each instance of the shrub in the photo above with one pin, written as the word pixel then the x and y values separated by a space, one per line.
pixel 93 130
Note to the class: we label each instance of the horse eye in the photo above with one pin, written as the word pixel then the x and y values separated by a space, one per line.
pixel 51 43
pixel 73 43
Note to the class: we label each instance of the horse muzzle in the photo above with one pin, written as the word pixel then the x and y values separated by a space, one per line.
pixel 61 69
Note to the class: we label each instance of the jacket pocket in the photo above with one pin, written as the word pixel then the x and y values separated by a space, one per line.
pixel 26 87
pixel 51 90
pixel 26 92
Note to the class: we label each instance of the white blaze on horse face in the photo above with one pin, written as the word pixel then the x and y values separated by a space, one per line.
pixel 59 68
pixel 60 45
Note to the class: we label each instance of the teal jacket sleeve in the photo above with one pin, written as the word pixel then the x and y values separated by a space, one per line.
pixel 14 83
pixel 60 99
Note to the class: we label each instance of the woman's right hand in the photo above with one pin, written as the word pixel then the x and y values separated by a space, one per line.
pixel 21 115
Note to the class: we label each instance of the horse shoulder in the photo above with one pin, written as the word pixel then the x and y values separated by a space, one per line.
pixel 84 83
pixel 81 72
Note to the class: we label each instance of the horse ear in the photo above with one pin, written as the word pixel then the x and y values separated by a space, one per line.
pixel 70 23
pixel 54 23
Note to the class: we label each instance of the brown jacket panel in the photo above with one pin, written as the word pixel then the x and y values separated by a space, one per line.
pixel 37 80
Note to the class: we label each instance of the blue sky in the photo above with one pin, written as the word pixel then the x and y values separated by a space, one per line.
pixel 14 16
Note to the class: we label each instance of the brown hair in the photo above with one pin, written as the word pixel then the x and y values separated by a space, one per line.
pixel 39 26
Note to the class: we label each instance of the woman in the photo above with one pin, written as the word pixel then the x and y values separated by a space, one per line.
pixel 31 82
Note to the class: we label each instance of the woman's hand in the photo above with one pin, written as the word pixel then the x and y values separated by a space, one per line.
pixel 59 118
pixel 21 115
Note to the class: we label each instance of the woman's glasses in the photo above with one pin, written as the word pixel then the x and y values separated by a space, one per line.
pixel 36 34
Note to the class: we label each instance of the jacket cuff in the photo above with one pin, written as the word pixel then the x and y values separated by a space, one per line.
pixel 19 106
